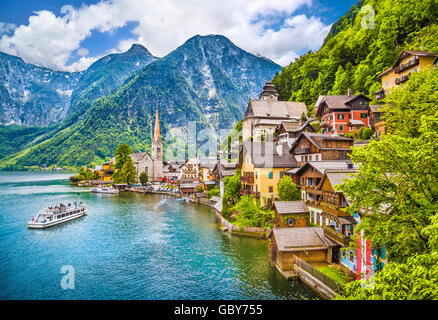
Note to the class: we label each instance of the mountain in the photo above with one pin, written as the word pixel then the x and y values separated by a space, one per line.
pixel 107 74
pixel 208 79
pixel 33 95
pixel 359 47
pixel 38 96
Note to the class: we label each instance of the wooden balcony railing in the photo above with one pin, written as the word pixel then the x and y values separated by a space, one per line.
pixel 247 179
pixel 302 151
pixel 244 192
pixel 336 236
pixel 401 80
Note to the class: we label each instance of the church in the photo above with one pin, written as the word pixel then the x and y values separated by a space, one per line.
pixel 151 164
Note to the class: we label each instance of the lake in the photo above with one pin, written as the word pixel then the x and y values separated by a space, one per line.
pixel 128 246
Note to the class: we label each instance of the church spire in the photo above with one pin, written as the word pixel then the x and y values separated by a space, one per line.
pixel 157 127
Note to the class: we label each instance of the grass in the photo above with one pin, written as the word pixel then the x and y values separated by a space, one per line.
pixel 334 274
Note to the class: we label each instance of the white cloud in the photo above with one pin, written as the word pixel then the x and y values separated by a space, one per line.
pixel 52 40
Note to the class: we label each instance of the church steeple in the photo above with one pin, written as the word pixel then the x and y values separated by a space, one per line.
pixel 269 92
pixel 157 127
pixel 157 154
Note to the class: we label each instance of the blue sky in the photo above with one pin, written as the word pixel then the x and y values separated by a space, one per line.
pixel 87 30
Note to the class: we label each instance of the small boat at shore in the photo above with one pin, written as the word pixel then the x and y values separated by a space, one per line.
pixel 108 190
pixel 181 199
pixel 61 213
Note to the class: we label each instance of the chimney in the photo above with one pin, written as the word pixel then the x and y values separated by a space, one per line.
pixel 349 92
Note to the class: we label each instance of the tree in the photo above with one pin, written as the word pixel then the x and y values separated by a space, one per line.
pixel 215 192
pixel 396 189
pixel 127 173
pixel 287 189
pixel 250 215
pixel 231 195
pixel 366 134
pixel 144 178
pixel 123 152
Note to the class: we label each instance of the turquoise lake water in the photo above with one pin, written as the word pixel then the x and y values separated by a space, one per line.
pixel 127 247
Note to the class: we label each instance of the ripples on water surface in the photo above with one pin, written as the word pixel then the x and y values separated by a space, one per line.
pixel 127 247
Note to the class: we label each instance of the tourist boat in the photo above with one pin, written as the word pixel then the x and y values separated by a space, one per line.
pixel 181 199
pixel 100 189
pixel 53 216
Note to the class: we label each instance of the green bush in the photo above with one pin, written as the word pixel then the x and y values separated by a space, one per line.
pixel 367 133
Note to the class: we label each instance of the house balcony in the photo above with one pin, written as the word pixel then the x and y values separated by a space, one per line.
pixel 244 192
pixel 337 237
pixel 401 80
pixel 379 95
pixel 302 151
pixel 408 65
pixel 247 179
pixel 327 207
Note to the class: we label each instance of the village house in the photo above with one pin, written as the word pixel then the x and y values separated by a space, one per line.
pixel 105 172
pixel 288 132
pixel 207 176
pixel 311 173
pixel 290 214
pixel 263 116
pixel 318 147
pixel 172 170
pixel 408 62
pixel 262 165
pixel 190 170
pixel 342 113
pixel 151 164
pixel 376 120
pixel 307 243
pixel 222 170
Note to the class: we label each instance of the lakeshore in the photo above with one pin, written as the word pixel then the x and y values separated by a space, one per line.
pixel 128 247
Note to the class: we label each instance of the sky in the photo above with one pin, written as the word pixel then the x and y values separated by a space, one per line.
pixel 70 35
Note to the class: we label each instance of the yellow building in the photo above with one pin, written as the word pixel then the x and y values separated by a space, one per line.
pixel 262 165
pixel 105 172
pixel 407 63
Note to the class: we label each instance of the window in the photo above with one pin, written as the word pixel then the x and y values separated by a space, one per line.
pixel 271 175
pixel 331 117
pixel 316 158
pixel 281 175
pixel 341 128
pixel 341 116
pixel 271 189
pixel 363 115
pixel 351 256
pixel 387 83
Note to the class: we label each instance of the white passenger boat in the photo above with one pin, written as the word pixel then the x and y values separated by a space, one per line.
pixel 100 189
pixel 61 213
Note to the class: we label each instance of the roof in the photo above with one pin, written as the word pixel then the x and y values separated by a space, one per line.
pixel 208 182
pixel 140 156
pixel 337 102
pixel 226 169
pixel 290 207
pixel 275 109
pixel 200 195
pixel 301 238
pixel 317 138
pixel 322 166
pixel 347 220
pixel 336 177
pixel 265 155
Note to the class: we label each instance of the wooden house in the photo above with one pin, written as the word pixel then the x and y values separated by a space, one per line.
pixel 376 120
pixel 318 147
pixel 288 132
pixel 290 214
pixel 308 243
